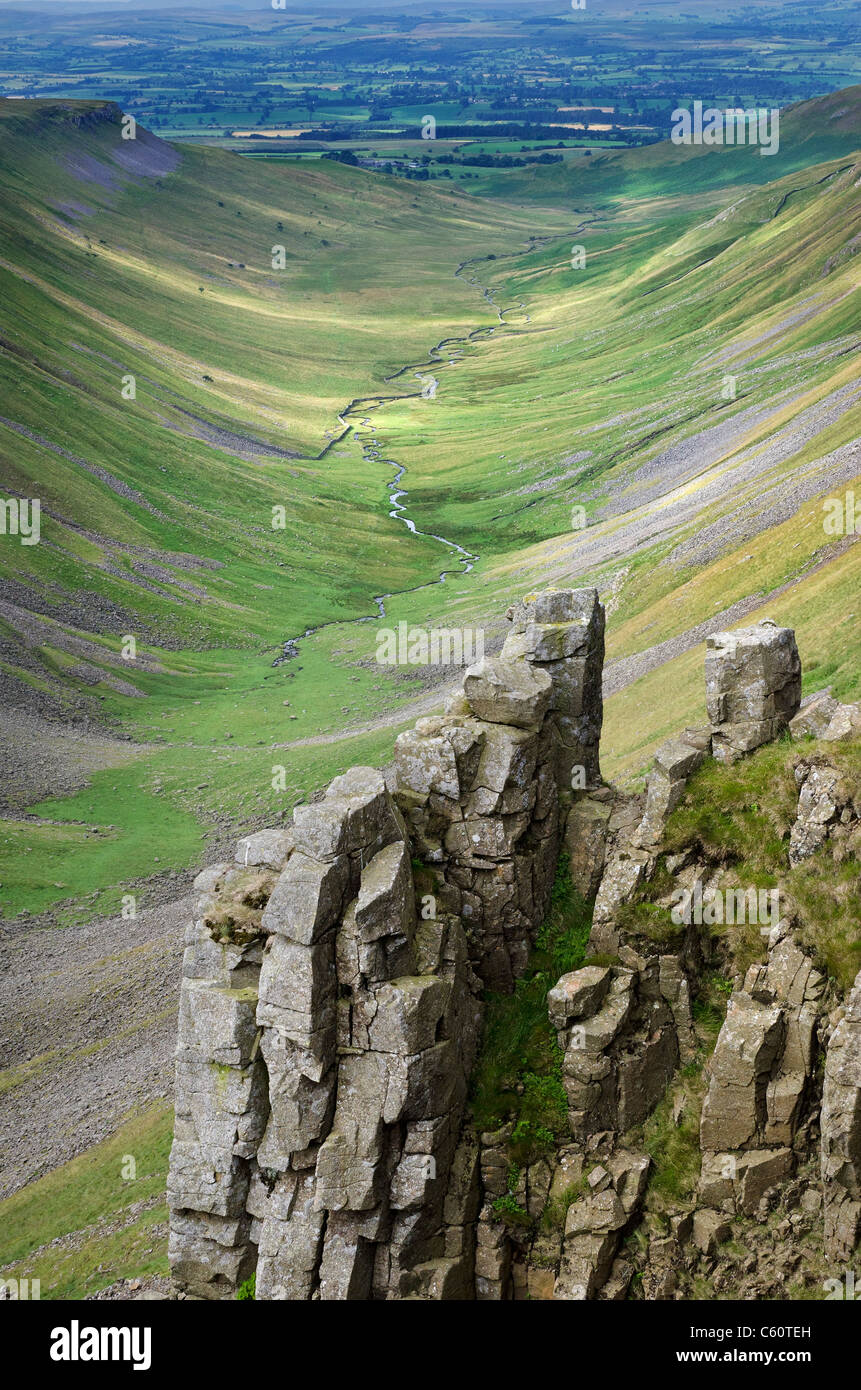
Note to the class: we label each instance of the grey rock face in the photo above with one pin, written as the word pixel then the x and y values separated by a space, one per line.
pixel 326 1041
pixel 823 795
pixel 675 761
pixel 618 1033
pixel 841 1133
pixel 562 632
pixel 507 692
pixel 759 1076
pixel 753 687
pixel 270 848
pixel 595 1224
pixel 578 994
pixel 814 716
pixel 586 842
pixel 823 717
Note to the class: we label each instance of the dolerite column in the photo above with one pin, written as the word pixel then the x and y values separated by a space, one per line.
pixel 561 632
pixel 298 1013
pixel 841 1133
pixel 221 1103
pixel 753 687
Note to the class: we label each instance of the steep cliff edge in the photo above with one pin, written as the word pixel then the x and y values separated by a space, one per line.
pixel 365 993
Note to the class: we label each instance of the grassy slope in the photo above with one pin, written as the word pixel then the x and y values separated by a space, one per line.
pixel 629 355
pixel 111 284
pixel 148 281
pixel 90 1223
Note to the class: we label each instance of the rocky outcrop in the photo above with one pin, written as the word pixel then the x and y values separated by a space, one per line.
pixel 331 999
pixel 760 1076
pixel 753 686
pixel 824 718
pixel 595 1224
pixel 674 763
pixel 841 1133
pixel 221 1088
pixel 618 1034
pixel 828 808
pixel 561 632
pixel 332 1005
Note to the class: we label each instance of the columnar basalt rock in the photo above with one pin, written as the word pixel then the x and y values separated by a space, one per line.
pixel 480 786
pixel 331 1002
pixel 753 686
pixel 331 1005
pixel 619 1029
pixel 596 1222
pixel 561 632
pixel 221 1085
pixel 841 1133
pixel 760 1076
pixel 674 763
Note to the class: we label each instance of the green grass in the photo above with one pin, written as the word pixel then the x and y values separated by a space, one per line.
pixel 113 840
pixel 688 259
pixel 86 1201
pixel 738 818
pixel 518 1075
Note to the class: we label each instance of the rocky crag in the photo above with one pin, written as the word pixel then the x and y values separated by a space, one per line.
pixel 333 998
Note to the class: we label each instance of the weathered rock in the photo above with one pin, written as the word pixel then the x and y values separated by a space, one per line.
pixel 841 1133
pixel 321 1132
pixel 845 723
pixel 594 1225
pixel 356 814
pixel 710 1230
pixel 821 797
pixel 409 1011
pixel 386 903
pixel 622 876
pixel 747 1046
pixel 753 686
pixel 271 848
pixel 210 1256
pixel 578 994
pixel 585 843
pixel 307 898
pixel 298 993
pixel 814 716
pixel 508 692
pixel 291 1233
pixel 674 762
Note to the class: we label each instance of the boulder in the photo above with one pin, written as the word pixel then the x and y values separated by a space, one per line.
pixel 271 848
pixel 578 994
pixel 814 716
pixel 710 1230
pixel 507 692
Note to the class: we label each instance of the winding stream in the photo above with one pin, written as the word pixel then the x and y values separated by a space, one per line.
pixel 356 414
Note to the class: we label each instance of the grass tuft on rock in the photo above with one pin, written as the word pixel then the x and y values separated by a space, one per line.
pixel 737 818
pixel 518 1076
